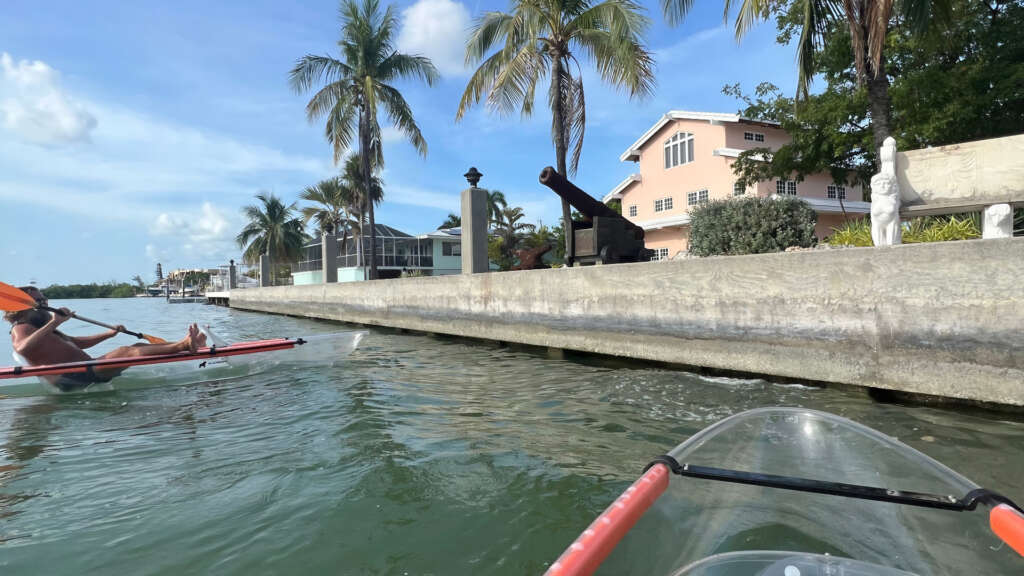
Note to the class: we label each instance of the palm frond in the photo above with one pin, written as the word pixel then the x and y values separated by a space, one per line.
pixel 488 30
pixel 406 66
pixel 675 11
pixel 311 69
pixel 401 116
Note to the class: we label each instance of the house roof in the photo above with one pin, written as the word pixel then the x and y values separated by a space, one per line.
pixel 633 152
pixel 444 233
pixel 620 188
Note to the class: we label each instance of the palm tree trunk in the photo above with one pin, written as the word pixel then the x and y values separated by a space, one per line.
pixel 364 157
pixel 561 149
pixel 878 99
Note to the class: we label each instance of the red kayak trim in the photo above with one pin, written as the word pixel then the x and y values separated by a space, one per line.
pixel 201 354
pixel 600 538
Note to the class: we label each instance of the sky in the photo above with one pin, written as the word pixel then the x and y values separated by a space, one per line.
pixel 133 133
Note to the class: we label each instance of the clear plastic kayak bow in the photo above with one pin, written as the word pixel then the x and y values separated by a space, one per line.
pixel 858 502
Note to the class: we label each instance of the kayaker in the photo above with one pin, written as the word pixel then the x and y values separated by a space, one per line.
pixel 35 338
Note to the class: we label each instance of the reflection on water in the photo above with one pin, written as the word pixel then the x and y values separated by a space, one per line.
pixel 420 454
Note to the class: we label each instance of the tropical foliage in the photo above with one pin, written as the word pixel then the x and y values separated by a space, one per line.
pixel 332 200
pixel 453 221
pixel 545 39
pixel 866 24
pixel 495 204
pixel 109 290
pixel 924 229
pixel 972 69
pixel 753 225
pixel 510 231
pixel 359 83
pixel 272 229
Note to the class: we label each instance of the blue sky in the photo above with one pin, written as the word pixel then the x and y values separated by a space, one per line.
pixel 134 132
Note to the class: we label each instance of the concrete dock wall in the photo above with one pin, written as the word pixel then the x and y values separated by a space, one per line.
pixel 943 319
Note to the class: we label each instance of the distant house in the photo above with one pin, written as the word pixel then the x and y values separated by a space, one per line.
pixel 686 159
pixel 435 253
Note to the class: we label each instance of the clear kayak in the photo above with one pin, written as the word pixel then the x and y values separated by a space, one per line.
pixel 218 361
pixel 796 492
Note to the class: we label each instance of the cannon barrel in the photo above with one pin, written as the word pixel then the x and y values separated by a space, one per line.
pixel 579 199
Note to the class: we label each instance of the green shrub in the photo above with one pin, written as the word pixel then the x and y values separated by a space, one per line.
pixel 924 229
pixel 751 225
pixel 852 233
pixel 942 228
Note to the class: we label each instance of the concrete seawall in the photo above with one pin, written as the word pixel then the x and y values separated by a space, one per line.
pixel 944 319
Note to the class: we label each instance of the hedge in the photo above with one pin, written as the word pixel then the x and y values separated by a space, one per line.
pixel 753 225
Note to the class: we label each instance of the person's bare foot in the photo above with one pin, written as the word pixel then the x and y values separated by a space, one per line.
pixel 194 338
pixel 200 337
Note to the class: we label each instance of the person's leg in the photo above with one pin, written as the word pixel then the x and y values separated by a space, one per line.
pixel 191 342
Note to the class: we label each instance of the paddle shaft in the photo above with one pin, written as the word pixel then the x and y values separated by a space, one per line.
pixel 91 321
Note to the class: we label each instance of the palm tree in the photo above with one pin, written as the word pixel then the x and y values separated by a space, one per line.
pixel 453 221
pixel 352 175
pixel 511 230
pixel 332 200
pixel 541 39
pixel 357 84
pixel 868 21
pixel 332 211
pixel 495 204
pixel 272 229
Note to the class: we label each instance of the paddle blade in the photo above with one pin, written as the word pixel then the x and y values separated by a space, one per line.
pixel 154 339
pixel 14 300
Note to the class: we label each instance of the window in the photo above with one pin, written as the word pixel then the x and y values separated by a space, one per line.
pixel 659 254
pixel 451 248
pixel 698 197
pixel 753 136
pixel 783 187
pixel 632 211
pixel 835 191
pixel 678 149
pixel 662 204
pixel 738 189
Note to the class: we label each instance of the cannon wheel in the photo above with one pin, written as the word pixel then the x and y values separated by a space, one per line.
pixel 608 255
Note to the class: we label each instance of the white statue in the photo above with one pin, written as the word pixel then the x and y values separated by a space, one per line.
pixel 997 221
pixel 885 198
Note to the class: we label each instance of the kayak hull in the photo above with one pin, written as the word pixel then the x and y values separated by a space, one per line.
pixel 213 363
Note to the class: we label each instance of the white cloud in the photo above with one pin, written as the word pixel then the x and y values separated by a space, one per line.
pixel 154 253
pixel 413 196
pixel 684 49
pixel 35 108
pixel 437 29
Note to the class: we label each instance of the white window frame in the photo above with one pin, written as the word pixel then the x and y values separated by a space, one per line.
pixel 659 254
pixel 631 210
pixel 454 248
pixel 753 136
pixel 834 191
pixel 697 197
pixel 785 187
pixel 738 189
pixel 663 204
pixel 678 149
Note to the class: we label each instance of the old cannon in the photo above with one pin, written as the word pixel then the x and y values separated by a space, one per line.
pixel 603 236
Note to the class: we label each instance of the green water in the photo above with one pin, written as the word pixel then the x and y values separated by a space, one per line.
pixel 420 455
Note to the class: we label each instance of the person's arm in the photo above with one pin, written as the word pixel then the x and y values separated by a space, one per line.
pixel 25 343
pixel 84 342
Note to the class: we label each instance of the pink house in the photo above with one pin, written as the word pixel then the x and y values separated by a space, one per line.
pixel 686 159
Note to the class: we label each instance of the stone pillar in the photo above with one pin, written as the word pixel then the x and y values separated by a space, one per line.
pixel 997 221
pixel 474 225
pixel 266 277
pixel 329 258
pixel 232 275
